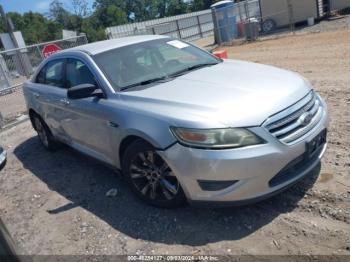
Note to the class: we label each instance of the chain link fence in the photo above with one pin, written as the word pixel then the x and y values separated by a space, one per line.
pixel 189 27
pixel 16 67
pixel 236 21
pixel 247 19
pixel 338 5
pixel 251 19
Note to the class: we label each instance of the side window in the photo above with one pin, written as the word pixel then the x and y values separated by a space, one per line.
pixel 78 73
pixel 40 79
pixel 52 74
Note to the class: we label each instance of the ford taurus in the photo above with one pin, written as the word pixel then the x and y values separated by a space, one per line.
pixel 181 124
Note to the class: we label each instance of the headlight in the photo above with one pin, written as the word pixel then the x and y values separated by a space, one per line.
pixel 216 138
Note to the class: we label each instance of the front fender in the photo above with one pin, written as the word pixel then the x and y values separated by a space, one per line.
pixel 159 144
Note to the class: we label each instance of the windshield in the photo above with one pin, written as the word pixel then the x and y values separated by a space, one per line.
pixel 157 59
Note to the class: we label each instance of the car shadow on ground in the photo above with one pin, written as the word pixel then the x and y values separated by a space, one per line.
pixel 84 182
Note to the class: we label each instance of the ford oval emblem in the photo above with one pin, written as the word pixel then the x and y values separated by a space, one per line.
pixel 305 119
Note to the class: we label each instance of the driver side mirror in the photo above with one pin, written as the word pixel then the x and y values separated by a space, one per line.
pixel 84 91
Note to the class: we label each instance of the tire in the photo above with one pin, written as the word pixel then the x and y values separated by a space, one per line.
pixel 44 134
pixel 3 164
pixel 268 26
pixel 150 178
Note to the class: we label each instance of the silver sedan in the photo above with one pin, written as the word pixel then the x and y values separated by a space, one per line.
pixel 180 123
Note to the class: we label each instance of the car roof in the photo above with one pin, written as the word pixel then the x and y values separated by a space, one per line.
pixel 103 46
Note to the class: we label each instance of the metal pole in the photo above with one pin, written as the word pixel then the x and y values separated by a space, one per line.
pixel 291 15
pixel 41 55
pixel 199 27
pixel 248 19
pixel 239 10
pixel 178 28
pixel 10 28
pixel 4 73
pixel 261 15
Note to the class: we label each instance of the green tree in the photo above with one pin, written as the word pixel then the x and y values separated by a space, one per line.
pixel 81 8
pixel 80 19
pixel 144 9
pixel 35 27
pixel 58 13
pixel 110 12
pixel 141 9
pixel 92 31
pixel 198 5
pixel 176 7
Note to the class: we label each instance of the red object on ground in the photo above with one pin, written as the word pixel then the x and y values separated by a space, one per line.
pixel 221 54
pixel 240 27
pixel 50 49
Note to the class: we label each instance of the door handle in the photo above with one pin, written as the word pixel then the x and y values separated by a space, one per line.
pixel 36 95
pixel 64 101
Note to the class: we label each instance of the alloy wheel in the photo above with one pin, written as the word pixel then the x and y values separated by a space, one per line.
pixel 152 177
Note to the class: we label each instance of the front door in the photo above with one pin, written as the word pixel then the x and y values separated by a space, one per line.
pixel 86 123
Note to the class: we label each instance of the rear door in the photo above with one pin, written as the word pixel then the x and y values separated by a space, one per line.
pixel 49 93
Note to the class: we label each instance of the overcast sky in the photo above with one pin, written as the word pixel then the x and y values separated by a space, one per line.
pixel 40 6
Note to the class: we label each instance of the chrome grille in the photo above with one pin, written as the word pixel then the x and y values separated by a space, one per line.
pixel 297 120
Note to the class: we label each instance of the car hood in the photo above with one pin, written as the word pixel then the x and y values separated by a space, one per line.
pixel 232 94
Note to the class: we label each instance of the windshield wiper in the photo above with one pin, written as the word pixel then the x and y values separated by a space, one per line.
pixel 145 82
pixel 190 68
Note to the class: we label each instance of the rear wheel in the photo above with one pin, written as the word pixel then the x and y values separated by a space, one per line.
pixel 44 133
pixel 268 26
pixel 150 178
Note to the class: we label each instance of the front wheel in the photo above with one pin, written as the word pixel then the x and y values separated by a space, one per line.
pixel 150 178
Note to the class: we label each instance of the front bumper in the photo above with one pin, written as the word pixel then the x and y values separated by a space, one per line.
pixel 2 158
pixel 252 168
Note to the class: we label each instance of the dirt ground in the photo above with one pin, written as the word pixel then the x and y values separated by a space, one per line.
pixel 12 106
pixel 55 203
